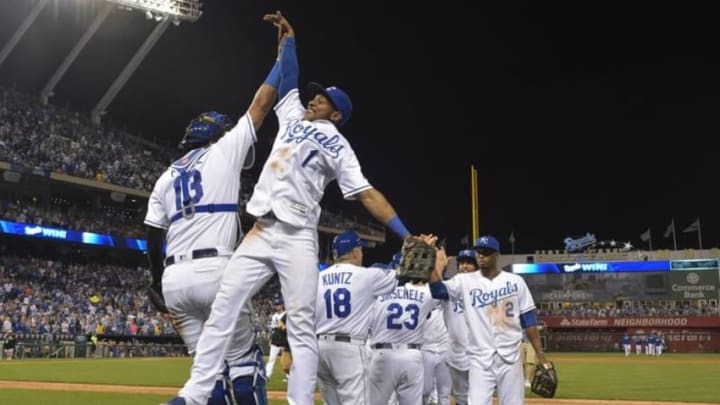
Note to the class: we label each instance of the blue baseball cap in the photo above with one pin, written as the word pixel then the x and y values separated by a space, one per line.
pixel 346 242
pixel 467 254
pixel 487 242
pixel 277 301
pixel 338 98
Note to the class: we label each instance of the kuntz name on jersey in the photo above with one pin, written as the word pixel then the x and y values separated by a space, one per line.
pixel 297 132
pixel 481 298
pixel 336 278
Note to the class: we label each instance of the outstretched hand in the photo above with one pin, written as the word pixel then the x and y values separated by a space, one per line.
pixel 278 20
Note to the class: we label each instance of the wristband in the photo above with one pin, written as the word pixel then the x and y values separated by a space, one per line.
pixel 396 225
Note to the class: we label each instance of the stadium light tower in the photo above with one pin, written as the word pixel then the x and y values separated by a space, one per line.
pixel 177 10
pixel 164 12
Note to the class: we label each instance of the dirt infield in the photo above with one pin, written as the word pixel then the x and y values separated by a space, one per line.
pixel 169 391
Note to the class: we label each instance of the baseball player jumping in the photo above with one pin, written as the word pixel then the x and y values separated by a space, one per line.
pixel 498 306
pixel 308 153
pixel 194 206
pixel 345 297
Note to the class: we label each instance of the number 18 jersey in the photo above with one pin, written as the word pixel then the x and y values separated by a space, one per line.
pixel 345 297
pixel 196 198
pixel 400 315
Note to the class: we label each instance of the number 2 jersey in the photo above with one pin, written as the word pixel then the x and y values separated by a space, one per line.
pixel 492 310
pixel 206 181
pixel 400 315
pixel 345 298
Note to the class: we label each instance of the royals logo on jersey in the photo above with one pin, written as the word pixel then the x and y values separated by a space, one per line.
pixel 492 310
pixel 316 153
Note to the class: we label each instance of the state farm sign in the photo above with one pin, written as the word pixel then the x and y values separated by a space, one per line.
pixel 650 321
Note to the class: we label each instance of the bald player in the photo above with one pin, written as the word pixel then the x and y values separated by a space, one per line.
pixel 497 307
pixel 345 297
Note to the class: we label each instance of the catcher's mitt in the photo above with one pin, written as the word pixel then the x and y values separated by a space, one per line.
pixel 545 380
pixel 154 293
pixel 418 260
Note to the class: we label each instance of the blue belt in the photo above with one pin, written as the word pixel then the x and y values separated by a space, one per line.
pixel 209 208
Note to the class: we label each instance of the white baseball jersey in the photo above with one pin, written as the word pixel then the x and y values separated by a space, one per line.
pixel 211 220
pixel 400 315
pixel 345 298
pixel 492 310
pixel 435 333
pixel 458 334
pixel 275 319
pixel 435 344
pixel 305 158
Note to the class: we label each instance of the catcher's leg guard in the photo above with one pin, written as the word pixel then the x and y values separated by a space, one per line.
pixel 250 389
pixel 221 392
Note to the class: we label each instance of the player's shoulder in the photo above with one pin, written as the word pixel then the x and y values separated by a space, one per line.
pixel 512 277
pixel 164 178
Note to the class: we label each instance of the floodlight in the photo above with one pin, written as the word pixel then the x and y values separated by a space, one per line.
pixel 180 10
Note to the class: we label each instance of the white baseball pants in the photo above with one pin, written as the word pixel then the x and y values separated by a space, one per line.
pixel 270 246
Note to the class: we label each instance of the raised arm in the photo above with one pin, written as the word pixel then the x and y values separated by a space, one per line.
pixel 379 207
pixel 289 67
pixel 265 96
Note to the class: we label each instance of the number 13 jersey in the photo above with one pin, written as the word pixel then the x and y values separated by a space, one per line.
pixel 196 198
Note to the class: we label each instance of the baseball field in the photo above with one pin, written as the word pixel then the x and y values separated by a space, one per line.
pixel 585 379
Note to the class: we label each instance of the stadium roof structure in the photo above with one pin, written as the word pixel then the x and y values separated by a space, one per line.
pixel 164 12
pixel 177 10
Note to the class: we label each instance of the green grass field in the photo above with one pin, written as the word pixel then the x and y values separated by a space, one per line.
pixel 672 377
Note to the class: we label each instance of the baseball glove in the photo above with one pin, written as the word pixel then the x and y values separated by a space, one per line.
pixel 545 380
pixel 154 293
pixel 418 260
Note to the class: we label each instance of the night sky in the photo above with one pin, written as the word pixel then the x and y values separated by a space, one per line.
pixel 580 118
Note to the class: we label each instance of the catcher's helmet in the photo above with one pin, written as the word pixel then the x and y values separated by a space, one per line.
pixel 206 128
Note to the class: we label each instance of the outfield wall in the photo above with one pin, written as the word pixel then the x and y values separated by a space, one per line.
pixel 682 334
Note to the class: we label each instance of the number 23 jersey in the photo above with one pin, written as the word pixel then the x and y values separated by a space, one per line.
pixel 400 315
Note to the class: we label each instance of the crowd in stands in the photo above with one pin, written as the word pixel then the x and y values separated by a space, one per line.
pixel 51 139
pixel 84 218
pixel 599 311
pixel 50 297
